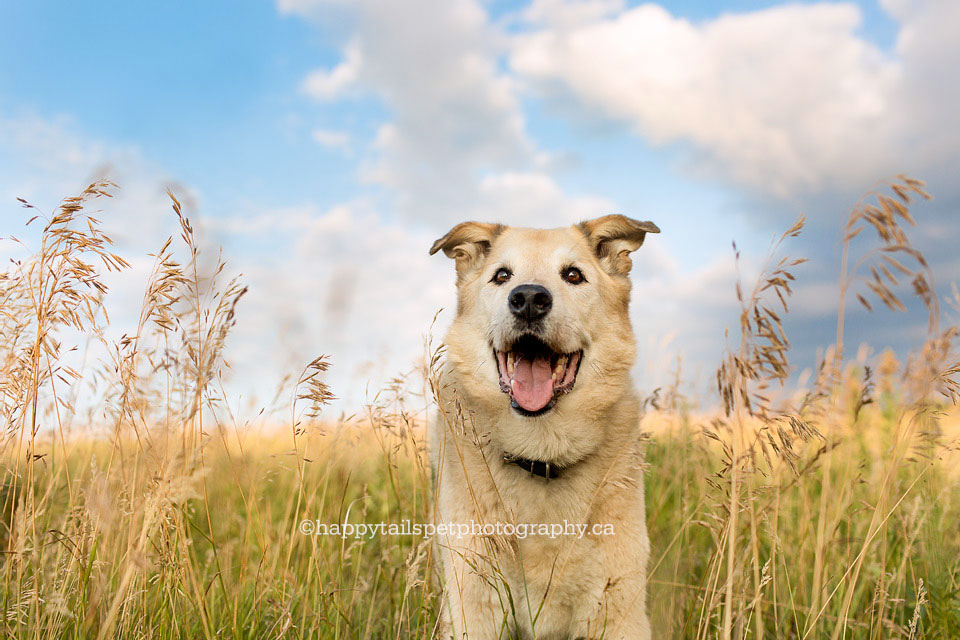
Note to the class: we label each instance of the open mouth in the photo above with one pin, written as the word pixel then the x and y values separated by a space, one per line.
pixel 534 375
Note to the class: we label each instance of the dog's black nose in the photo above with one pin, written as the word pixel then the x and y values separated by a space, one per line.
pixel 530 302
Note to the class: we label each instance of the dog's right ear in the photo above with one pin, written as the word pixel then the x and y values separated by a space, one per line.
pixel 614 237
pixel 467 243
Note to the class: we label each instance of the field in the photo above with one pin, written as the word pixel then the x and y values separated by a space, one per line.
pixel 829 512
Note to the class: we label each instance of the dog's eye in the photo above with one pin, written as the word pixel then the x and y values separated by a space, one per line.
pixel 572 275
pixel 502 275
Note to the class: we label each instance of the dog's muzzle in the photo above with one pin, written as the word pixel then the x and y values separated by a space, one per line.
pixel 534 375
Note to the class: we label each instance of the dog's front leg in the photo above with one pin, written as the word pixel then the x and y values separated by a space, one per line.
pixel 476 602
pixel 622 614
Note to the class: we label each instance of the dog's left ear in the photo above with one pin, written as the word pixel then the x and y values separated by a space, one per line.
pixel 614 237
pixel 467 243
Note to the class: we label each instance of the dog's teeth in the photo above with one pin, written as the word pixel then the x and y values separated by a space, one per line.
pixel 560 368
pixel 510 363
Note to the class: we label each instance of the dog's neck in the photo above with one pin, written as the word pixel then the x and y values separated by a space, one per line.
pixel 546 470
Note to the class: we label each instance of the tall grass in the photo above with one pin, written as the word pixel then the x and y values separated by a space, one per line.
pixel 162 512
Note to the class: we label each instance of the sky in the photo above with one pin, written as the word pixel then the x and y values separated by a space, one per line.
pixel 324 144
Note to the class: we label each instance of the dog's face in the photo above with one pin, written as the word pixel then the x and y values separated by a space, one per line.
pixel 543 315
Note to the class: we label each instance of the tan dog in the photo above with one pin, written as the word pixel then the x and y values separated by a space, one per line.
pixel 535 452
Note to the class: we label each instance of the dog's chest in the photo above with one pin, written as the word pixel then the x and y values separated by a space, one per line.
pixel 532 499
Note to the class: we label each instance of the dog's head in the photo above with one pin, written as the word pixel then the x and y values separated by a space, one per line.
pixel 543 314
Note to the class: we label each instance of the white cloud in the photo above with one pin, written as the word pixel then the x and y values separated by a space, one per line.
pixel 533 198
pixel 928 97
pixel 43 159
pixel 785 101
pixel 331 139
pixel 454 112
pixel 343 282
pixel 46 159
pixel 327 85
pixel 570 13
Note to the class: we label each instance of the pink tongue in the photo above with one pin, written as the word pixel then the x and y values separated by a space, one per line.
pixel 533 383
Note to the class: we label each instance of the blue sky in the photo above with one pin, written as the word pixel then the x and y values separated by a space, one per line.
pixel 207 90
pixel 314 133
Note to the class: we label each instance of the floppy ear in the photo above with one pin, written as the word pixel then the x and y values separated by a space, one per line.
pixel 467 243
pixel 613 237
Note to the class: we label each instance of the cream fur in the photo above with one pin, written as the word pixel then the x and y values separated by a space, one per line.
pixel 538 587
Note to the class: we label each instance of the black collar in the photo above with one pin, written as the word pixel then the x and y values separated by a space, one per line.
pixel 540 468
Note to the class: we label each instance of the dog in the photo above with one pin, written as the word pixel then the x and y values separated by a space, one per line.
pixel 535 451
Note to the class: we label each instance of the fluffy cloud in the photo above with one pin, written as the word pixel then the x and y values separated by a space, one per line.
pixel 456 143
pixel 532 198
pixel 343 282
pixel 570 13
pixel 786 101
pixel 326 85
pixel 331 139
pixel 45 159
